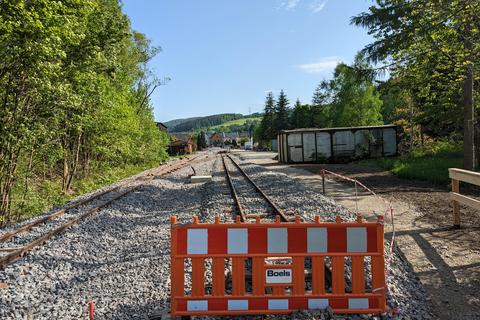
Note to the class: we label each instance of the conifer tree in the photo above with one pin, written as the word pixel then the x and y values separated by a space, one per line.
pixel 281 113
pixel 267 123
pixel 301 116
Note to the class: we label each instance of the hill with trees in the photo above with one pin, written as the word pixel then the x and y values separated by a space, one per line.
pixel 175 122
pixel 218 122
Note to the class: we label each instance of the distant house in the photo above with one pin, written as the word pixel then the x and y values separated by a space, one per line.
pixel 216 139
pixel 231 137
pixel 181 144
pixel 244 134
pixel 161 126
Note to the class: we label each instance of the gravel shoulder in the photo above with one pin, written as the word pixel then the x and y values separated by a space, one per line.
pixel 445 260
pixel 119 257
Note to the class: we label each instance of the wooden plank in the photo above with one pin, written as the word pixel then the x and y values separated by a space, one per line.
pixel 472 203
pixel 465 175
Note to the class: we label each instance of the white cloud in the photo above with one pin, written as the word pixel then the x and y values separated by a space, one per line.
pixel 289 4
pixel 324 64
pixel 318 5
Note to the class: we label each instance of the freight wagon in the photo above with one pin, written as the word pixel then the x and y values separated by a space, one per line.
pixel 336 144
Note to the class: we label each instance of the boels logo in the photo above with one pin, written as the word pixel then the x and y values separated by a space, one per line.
pixel 278 275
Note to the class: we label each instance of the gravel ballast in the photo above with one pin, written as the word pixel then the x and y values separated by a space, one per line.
pixel 120 257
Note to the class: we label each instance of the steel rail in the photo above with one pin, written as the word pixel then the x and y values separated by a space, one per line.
pixel 281 214
pixel 7 236
pixel 17 253
pixel 277 210
pixel 243 216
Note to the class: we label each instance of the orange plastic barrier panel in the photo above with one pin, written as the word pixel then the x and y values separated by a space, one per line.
pixel 276 268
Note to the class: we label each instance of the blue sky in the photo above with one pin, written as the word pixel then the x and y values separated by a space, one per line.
pixel 225 55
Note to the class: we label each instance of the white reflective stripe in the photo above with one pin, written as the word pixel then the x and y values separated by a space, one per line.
pixel 197 241
pixel 237 305
pixel 197 305
pixel 317 239
pixel 357 239
pixel 278 304
pixel 358 303
pixel 317 303
pixel 277 240
pixel 237 240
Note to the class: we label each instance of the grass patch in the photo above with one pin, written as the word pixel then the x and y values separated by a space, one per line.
pixel 43 195
pixel 430 163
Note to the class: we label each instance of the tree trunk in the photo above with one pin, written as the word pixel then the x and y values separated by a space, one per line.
pixel 469 156
pixel 66 170
pixel 27 176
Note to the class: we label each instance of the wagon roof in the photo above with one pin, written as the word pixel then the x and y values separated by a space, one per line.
pixel 338 129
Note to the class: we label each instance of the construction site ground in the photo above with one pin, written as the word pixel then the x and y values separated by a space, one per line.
pixel 446 260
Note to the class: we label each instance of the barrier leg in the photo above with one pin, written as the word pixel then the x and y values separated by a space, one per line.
pixel 258 276
pixel 378 270
pixel 278 291
pixel 238 276
pixel 298 275
pixel 218 276
pixel 338 277
pixel 198 277
pixel 378 279
pixel 318 275
pixel 177 282
pixel 358 275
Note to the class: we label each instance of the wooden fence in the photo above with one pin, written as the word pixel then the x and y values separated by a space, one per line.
pixel 458 175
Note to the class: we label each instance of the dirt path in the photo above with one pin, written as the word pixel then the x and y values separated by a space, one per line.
pixel 446 260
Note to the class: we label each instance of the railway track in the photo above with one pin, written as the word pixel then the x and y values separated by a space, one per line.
pixel 277 212
pixel 244 215
pixel 57 222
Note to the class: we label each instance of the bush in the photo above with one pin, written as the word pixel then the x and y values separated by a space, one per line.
pixel 429 163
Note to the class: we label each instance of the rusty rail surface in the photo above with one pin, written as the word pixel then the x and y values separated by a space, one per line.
pixel 16 253
pixel 243 216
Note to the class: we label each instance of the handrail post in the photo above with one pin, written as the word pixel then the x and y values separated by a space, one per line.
pixel 456 204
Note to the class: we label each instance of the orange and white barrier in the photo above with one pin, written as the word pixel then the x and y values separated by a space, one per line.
pixel 277 288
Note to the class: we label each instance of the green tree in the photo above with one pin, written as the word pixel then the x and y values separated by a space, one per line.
pixel 321 101
pixel 201 141
pixel 434 44
pixel 354 98
pixel 301 116
pixel 74 89
pixel 266 129
pixel 281 114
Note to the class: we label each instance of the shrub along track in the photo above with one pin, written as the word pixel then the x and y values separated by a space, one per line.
pixel 51 225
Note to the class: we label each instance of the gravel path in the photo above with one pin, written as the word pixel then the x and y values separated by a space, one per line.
pixel 120 257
